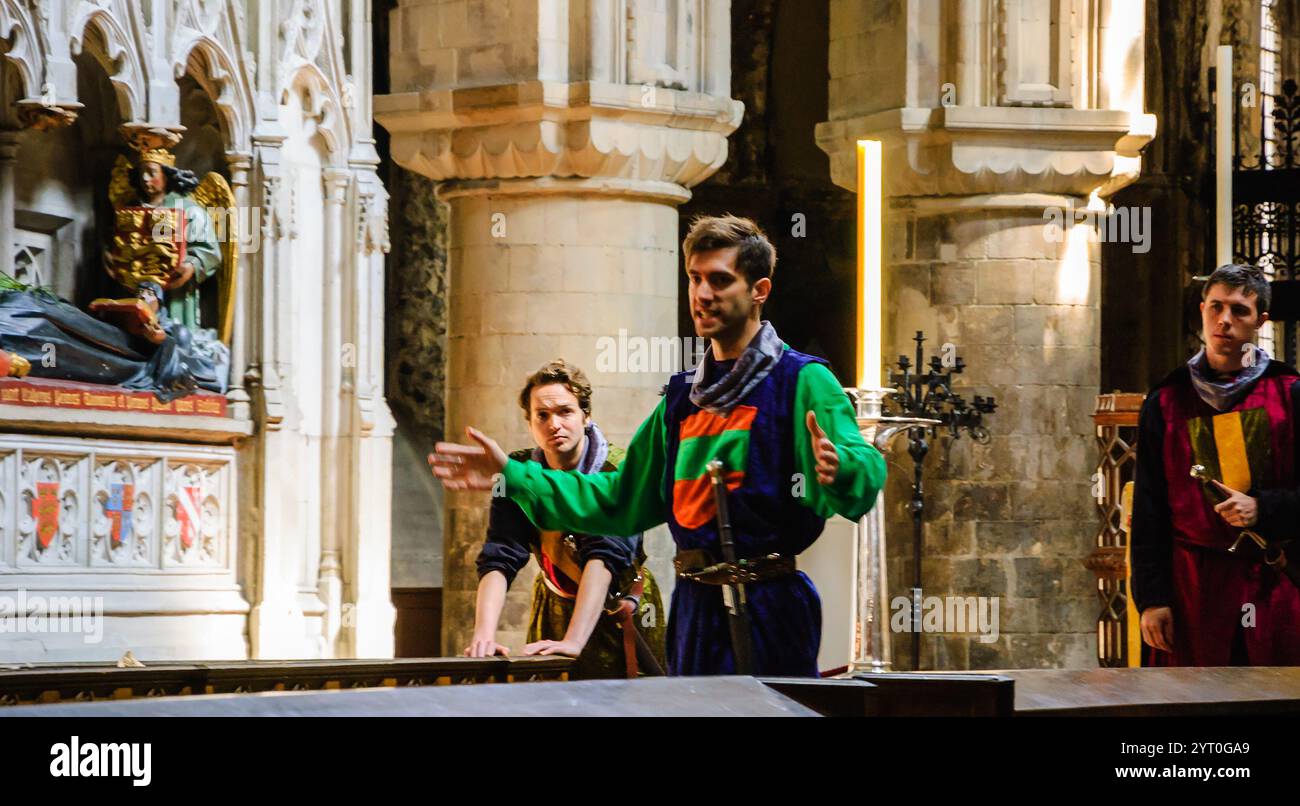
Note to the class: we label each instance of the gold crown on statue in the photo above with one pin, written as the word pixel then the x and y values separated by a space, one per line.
pixel 159 155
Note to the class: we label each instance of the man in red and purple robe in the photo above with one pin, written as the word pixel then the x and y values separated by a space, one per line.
pixel 1234 411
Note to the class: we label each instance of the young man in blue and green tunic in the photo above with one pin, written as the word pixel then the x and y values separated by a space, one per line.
pixel 593 598
pixel 786 433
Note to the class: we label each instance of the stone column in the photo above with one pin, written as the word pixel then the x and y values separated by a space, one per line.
pixel 366 549
pixel 562 154
pixel 8 156
pixel 245 230
pixel 277 625
pixel 334 443
pixel 989 138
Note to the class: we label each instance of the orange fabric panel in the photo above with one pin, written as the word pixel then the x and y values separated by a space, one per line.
pixel 693 504
pixel 704 423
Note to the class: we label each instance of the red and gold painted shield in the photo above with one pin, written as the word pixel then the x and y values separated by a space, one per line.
pixel 45 511
pixel 187 515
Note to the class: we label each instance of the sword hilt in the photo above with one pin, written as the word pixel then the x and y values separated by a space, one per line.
pixel 725 540
pixel 1254 536
pixel 1200 473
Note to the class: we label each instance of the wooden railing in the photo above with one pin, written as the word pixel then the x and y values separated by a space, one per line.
pixel 1116 420
pixel 22 684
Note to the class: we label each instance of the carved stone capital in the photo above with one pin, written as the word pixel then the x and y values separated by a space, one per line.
pixel 989 97
pixel 967 150
pixel 35 114
pixel 239 163
pixel 336 181
pixel 646 138
pixel 142 136
pixel 647 189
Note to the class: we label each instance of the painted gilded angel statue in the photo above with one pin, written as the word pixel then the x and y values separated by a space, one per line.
pixel 164 234
pixel 167 254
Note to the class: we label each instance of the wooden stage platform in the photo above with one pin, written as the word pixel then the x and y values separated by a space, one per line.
pixel 539 687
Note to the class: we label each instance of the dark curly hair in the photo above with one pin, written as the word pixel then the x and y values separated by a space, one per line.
pixel 557 371
pixel 179 180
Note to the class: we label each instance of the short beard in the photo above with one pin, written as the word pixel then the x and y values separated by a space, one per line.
pixel 735 327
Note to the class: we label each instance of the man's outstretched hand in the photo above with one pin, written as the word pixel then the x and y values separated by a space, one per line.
pixel 827 458
pixel 468 467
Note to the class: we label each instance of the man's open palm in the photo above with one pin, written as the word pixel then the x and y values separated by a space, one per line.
pixel 824 453
pixel 468 467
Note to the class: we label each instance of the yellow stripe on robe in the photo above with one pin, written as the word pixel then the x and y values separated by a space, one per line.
pixel 1133 622
pixel 1230 443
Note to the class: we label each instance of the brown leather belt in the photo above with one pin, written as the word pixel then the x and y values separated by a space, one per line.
pixel 637 655
pixel 698 566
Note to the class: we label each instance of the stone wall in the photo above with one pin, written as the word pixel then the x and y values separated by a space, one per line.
pixel 987 137
pixel 415 344
pixel 562 137
pixel 567 273
pixel 776 175
pixel 1012 518
pixel 1150 299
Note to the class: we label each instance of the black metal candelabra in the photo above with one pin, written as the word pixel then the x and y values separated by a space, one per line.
pixel 929 396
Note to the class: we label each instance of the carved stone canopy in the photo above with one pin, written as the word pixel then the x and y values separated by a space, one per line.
pixel 587 130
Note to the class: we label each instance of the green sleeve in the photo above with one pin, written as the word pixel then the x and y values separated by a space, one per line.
pixel 620 502
pixel 201 247
pixel 862 468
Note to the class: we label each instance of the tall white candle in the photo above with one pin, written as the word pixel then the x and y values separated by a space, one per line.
pixel 870 262
pixel 1223 109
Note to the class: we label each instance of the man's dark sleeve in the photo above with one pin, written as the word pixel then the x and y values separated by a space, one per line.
pixel 509 540
pixel 617 553
pixel 1152 542
pixel 1279 508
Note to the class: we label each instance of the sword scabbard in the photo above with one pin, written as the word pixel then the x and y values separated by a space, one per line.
pixel 733 595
